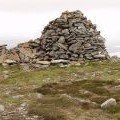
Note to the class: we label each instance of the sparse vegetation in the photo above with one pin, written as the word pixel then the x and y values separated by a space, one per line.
pixel 94 81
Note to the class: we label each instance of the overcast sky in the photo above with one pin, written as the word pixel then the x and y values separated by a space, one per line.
pixel 21 20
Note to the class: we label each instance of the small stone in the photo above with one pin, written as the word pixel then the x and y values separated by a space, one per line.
pixel 37 41
pixel 81 26
pixel 34 44
pixel 39 95
pixel 65 32
pixel 23 104
pixel 77 64
pixel 2 108
pixel 62 46
pixel 109 103
pixel 64 66
pixel 61 39
pixel 59 61
pixel 91 30
pixel 6 72
pixel 43 62
pixel 55 48
pixel 87 45
pixel 75 55
pixel 64 56
pixel 8 61
pixel 118 87
pixel 75 47
pixel 35 116
pixel 18 96
pixel 99 56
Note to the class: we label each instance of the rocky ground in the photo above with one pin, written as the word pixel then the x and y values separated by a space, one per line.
pixel 60 93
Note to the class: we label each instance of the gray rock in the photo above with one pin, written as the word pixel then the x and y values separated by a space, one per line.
pixel 75 47
pixel 81 26
pixel 100 56
pixel 8 61
pixel 81 56
pixel 51 53
pixel 74 55
pixel 65 32
pixel 2 108
pixel 39 95
pixel 62 46
pixel 37 41
pixel 87 45
pixel 43 62
pixel 89 56
pixel 101 38
pixel 64 56
pixel 34 44
pixel 109 103
pixel 61 39
pixel 59 61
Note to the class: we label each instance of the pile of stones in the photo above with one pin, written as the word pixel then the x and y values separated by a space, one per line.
pixel 71 37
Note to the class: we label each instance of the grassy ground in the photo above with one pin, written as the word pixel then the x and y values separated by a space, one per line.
pixel 62 90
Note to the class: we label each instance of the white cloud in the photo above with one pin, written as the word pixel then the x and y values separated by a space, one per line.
pixel 46 5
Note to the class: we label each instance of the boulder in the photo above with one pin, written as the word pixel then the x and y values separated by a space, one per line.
pixel 109 103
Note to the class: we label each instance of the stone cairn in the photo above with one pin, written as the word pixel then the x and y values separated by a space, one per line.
pixel 70 37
